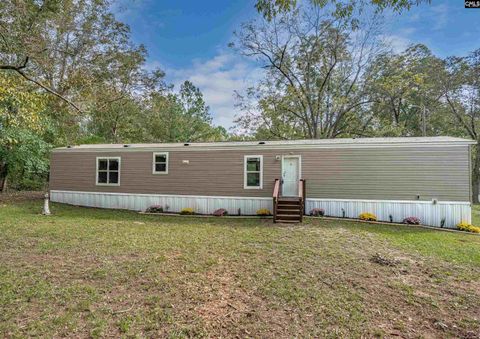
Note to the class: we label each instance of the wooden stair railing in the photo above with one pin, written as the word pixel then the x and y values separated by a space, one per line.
pixel 276 192
pixel 302 190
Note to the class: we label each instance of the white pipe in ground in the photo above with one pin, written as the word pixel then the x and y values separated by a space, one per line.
pixel 46 207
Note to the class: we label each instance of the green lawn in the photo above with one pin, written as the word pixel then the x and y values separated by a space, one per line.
pixel 87 272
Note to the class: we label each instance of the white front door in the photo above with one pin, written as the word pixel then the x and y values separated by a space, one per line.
pixel 290 175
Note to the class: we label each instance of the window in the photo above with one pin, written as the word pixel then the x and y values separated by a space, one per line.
pixel 253 172
pixel 160 163
pixel 108 171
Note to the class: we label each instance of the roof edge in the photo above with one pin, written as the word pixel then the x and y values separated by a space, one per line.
pixel 291 144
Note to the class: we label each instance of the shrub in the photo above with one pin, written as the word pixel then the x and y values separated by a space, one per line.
pixel 28 183
pixel 411 221
pixel 465 226
pixel 367 216
pixel 317 212
pixel 263 212
pixel 155 209
pixel 187 211
pixel 220 212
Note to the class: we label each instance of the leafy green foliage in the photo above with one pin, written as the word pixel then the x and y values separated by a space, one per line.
pixel 181 118
pixel 405 87
pixel 272 8
pixel 461 91
pixel 23 151
pixel 83 80
pixel 29 154
pixel 20 107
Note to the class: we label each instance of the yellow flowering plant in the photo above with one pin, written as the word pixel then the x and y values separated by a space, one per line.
pixel 187 211
pixel 367 216
pixel 263 212
pixel 465 226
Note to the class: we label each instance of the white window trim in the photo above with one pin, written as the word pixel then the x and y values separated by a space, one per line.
pixel 166 164
pixel 119 170
pixel 245 172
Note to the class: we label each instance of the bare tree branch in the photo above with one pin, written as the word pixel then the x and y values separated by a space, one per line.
pixel 19 70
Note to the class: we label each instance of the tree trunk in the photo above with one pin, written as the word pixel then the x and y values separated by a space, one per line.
pixel 476 175
pixel 475 189
pixel 3 177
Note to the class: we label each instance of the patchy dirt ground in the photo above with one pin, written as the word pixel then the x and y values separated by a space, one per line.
pixel 96 273
pixel 18 196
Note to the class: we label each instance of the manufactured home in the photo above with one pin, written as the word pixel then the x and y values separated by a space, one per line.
pixel 393 178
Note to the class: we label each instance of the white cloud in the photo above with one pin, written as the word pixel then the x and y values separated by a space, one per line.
pixel 398 37
pixel 398 43
pixel 217 78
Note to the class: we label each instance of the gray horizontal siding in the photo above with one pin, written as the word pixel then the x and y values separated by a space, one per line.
pixel 387 173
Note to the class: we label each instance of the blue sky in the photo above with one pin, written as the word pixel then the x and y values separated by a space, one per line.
pixel 188 40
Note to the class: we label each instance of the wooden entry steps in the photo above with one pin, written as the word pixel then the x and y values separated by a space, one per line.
pixel 288 209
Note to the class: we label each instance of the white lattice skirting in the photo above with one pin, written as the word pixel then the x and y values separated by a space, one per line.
pixel 428 212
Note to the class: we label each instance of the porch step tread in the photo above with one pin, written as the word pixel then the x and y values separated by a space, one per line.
pixel 288 221
pixel 288 202
pixel 288 211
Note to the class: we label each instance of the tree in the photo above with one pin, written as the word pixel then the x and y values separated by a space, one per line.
pixel 315 73
pixel 406 92
pixel 75 50
pixel 79 52
pixel 271 8
pixel 81 62
pixel 22 122
pixel 116 98
pixel 182 117
pixel 23 25
pixel 461 92
pixel 121 121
